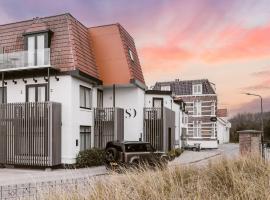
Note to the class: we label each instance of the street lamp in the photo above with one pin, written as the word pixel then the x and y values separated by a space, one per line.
pixel 262 129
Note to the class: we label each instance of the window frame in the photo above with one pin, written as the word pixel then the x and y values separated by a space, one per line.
pixel 156 98
pixel 47 37
pixel 131 56
pixel 84 134
pixel 99 98
pixel 36 86
pixel 168 87
pixel 195 89
pixel 197 107
pixel 90 98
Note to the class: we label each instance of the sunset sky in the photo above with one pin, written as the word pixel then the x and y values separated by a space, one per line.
pixel 226 41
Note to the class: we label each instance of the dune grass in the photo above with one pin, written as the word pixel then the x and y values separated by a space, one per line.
pixel 242 178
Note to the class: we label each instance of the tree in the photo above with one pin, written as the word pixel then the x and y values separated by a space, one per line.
pixel 249 121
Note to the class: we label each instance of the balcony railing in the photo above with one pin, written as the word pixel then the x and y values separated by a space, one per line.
pixel 25 59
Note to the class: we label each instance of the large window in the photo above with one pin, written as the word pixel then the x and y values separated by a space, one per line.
pixel 85 97
pixel 1 95
pixel 37 54
pixel 36 93
pixel 197 89
pixel 197 108
pixel 85 137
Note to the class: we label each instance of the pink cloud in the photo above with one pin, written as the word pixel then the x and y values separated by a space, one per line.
pixel 242 44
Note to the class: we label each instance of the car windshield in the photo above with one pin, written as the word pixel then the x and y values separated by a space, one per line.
pixel 138 148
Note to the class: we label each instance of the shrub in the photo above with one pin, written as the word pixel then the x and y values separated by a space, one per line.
pixel 90 157
pixel 175 153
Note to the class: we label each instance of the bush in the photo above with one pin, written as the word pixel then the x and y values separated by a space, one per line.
pixel 90 157
pixel 175 153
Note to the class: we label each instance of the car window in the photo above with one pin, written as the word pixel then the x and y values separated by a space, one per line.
pixel 138 148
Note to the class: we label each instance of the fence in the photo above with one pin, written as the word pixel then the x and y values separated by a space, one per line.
pixel 30 134
pixel 159 128
pixel 108 126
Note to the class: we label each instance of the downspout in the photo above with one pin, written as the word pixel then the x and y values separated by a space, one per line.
pixel 3 89
pixel 48 87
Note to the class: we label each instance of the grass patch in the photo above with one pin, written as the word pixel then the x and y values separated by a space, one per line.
pixel 243 178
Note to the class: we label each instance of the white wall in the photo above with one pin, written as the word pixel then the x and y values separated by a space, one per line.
pixel 223 130
pixel 65 91
pixel 131 99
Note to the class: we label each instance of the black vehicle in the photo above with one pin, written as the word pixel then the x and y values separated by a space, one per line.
pixel 128 153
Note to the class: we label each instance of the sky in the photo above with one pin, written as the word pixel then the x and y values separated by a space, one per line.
pixel 225 41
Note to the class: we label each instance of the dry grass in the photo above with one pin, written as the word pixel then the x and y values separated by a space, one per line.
pixel 243 178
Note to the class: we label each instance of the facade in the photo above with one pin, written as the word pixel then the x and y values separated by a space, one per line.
pixel 201 104
pixel 223 126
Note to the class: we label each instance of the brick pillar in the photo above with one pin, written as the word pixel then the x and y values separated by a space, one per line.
pixel 250 141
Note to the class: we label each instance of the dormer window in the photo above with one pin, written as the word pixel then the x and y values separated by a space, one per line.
pixel 165 88
pixel 37 48
pixel 131 55
pixel 197 89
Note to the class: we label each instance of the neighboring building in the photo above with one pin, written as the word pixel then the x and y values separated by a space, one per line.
pixel 164 118
pixel 201 104
pixel 223 126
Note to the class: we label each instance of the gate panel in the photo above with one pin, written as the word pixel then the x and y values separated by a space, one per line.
pixel 108 125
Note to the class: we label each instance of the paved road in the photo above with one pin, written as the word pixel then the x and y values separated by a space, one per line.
pixel 19 176
pixel 202 157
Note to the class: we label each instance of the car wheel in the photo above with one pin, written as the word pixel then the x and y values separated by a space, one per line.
pixel 111 154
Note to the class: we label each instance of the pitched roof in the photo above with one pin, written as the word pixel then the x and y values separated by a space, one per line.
pixel 70 45
pixel 185 87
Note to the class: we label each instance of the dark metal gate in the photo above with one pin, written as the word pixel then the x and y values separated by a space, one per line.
pixel 108 126
pixel 159 128
pixel 30 134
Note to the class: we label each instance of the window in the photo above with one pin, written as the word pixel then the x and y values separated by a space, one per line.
pixel 131 55
pixel 36 50
pixel 197 129
pixel 1 95
pixel 85 137
pixel 37 46
pixel 36 93
pixel 157 102
pixel 165 88
pixel 85 97
pixel 197 89
pixel 99 98
pixel 197 108
pixel 213 108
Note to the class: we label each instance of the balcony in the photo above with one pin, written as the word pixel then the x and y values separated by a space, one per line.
pixel 21 60
pixel 30 134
